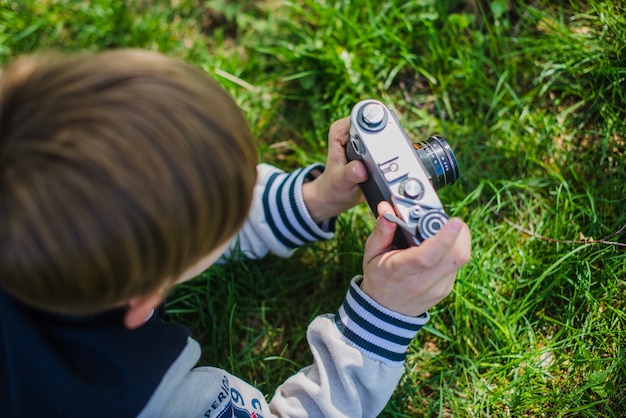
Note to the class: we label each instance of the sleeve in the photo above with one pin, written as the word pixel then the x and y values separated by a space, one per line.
pixel 358 354
pixel 358 357
pixel 279 220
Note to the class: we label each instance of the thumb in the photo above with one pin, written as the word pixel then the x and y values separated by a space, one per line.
pixel 355 172
pixel 381 238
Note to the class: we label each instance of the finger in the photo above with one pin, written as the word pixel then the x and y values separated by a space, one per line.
pixel 339 131
pixel 439 256
pixel 433 250
pixel 458 256
pixel 338 135
pixel 381 238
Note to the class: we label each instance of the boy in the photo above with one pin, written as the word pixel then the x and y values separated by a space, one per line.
pixel 124 173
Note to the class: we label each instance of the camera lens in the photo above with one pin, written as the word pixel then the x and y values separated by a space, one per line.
pixel 438 160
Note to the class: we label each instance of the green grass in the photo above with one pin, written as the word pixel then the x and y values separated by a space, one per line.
pixel 531 95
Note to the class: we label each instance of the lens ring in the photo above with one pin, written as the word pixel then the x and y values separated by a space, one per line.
pixel 438 160
pixel 447 158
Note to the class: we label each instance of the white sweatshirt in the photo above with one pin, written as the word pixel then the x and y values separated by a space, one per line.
pixel 358 352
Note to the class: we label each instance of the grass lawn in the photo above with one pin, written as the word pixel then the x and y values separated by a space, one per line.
pixel 531 96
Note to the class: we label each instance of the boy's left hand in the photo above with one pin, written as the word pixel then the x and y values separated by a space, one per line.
pixel 336 189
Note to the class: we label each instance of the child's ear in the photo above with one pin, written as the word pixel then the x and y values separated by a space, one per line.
pixel 140 309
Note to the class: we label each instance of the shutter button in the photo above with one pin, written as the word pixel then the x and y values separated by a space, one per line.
pixel 412 188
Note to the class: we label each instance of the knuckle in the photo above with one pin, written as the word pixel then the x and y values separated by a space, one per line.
pixel 462 257
pixel 446 287
pixel 419 290
pixel 423 262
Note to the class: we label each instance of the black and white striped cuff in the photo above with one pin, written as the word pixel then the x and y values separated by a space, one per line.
pixel 286 212
pixel 379 333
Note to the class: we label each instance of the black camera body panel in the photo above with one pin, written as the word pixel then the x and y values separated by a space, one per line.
pixel 398 174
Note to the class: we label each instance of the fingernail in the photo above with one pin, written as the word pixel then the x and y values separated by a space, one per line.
pixel 358 171
pixel 455 224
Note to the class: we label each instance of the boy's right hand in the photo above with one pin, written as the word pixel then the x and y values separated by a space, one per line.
pixel 412 280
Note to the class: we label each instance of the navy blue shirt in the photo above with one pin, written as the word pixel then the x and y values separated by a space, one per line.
pixel 61 366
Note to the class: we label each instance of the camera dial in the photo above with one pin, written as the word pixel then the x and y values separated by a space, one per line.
pixel 372 116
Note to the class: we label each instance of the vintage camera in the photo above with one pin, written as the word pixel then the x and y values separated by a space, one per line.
pixel 404 173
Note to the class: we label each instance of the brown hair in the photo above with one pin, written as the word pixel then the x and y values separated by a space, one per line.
pixel 118 171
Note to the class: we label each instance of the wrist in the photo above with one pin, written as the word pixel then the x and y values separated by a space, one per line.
pixel 315 201
pixel 393 300
pixel 379 333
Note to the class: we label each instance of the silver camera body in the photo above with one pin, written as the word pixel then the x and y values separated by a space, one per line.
pixel 403 173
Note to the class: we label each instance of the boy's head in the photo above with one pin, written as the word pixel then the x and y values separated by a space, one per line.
pixel 117 172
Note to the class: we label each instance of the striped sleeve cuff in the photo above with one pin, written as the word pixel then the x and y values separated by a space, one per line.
pixel 286 212
pixel 379 333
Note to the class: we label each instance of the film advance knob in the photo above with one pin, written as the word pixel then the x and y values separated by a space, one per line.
pixel 373 115
pixel 431 222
